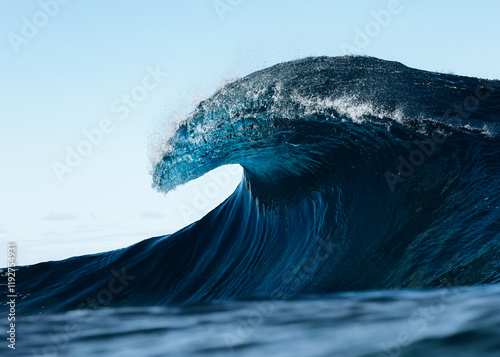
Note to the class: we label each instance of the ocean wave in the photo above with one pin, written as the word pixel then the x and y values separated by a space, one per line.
pixel 359 174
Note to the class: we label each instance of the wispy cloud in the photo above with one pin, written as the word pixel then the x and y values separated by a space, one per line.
pixel 152 215
pixel 55 216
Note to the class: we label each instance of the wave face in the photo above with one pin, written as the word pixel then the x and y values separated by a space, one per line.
pixel 358 174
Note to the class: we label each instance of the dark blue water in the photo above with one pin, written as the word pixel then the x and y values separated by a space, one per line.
pixel 359 174
pixel 450 322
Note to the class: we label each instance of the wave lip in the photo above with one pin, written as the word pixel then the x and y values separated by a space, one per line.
pixel 287 118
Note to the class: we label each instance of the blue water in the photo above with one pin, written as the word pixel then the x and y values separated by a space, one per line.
pixel 453 322
pixel 361 176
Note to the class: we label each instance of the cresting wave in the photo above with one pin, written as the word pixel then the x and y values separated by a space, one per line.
pixel 358 174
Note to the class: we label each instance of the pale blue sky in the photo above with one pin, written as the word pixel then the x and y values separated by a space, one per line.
pixel 65 78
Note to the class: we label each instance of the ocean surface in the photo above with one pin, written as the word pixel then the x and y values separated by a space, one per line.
pixel 461 322
pixel 367 223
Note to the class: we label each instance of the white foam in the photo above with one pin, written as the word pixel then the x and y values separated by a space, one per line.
pixel 349 106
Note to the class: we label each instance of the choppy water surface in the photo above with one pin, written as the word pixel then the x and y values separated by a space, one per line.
pixel 446 322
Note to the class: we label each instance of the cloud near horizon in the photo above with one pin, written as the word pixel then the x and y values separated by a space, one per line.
pixel 57 216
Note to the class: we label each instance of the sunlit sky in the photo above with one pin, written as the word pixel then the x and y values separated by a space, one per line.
pixel 130 67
